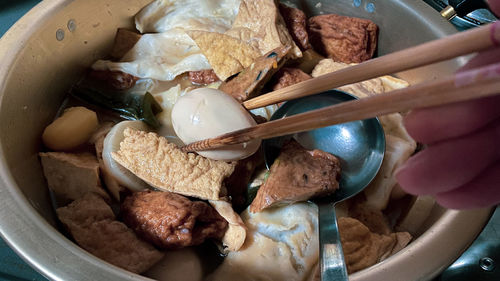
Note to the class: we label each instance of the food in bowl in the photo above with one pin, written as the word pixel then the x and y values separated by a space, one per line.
pixel 298 175
pixel 195 57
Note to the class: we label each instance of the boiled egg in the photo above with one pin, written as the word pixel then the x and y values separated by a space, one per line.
pixel 206 113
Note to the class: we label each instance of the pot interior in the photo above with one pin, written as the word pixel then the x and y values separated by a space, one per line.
pixel 50 48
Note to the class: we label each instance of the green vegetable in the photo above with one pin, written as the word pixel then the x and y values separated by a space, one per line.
pixel 129 106
pixel 251 193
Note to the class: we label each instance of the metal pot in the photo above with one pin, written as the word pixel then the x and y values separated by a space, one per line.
pixel 464 13
pixel 48 50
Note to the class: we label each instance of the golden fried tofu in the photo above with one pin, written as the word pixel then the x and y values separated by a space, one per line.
pixel 252 79
pixel 92 224
pixel 226 55
pixel 85 211
pixel 297 175
pixel 164 166
pixel 72 175
pixel 260 24
pixel 361 89
pixel 258 29
pixel 363 248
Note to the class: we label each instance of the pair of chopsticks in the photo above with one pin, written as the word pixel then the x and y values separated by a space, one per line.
pixel 479 82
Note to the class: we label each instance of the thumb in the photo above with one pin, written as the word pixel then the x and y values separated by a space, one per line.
pixel 495 6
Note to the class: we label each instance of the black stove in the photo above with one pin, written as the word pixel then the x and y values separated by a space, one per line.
pixel 471 13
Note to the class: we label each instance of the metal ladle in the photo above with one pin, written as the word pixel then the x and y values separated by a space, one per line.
pixel 360 146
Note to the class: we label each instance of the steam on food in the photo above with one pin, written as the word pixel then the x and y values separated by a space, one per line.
pixel 160 16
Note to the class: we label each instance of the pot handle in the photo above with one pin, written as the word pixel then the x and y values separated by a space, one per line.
pixel 462 8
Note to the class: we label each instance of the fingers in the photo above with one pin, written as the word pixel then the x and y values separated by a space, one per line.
pixel 447 165
pixel 461 165
pixel 482 59
pixel 483 191
pixel 495 6
pixel 433 124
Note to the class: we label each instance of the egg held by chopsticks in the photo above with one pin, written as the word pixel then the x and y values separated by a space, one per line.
pixel 205 113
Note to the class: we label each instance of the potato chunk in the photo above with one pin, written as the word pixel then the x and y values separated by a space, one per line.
pixel 72 129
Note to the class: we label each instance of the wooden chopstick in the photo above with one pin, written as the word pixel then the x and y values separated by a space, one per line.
pixel 459 44
pixel 471 84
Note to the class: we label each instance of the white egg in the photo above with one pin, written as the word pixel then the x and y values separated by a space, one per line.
pixel 206 113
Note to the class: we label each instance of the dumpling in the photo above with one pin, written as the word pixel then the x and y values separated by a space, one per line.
pixel 170 52
pixel 208 15
pixel 281 244
pixel 160 56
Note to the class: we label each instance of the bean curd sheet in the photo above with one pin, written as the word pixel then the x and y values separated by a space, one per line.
pixel 126 193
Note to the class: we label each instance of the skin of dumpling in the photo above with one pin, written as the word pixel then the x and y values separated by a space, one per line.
pixel 281 244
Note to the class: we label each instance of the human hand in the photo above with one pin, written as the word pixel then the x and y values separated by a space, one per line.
pixel 461 164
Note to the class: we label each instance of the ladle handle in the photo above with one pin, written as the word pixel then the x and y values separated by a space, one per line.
pixel 332 263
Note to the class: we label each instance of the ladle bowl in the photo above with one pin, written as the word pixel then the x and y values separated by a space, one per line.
pixel 359 145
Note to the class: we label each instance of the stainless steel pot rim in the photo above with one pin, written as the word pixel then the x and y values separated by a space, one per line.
pixel 44 247
pixel 431 250
pixel 57 258
pixel 22 227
